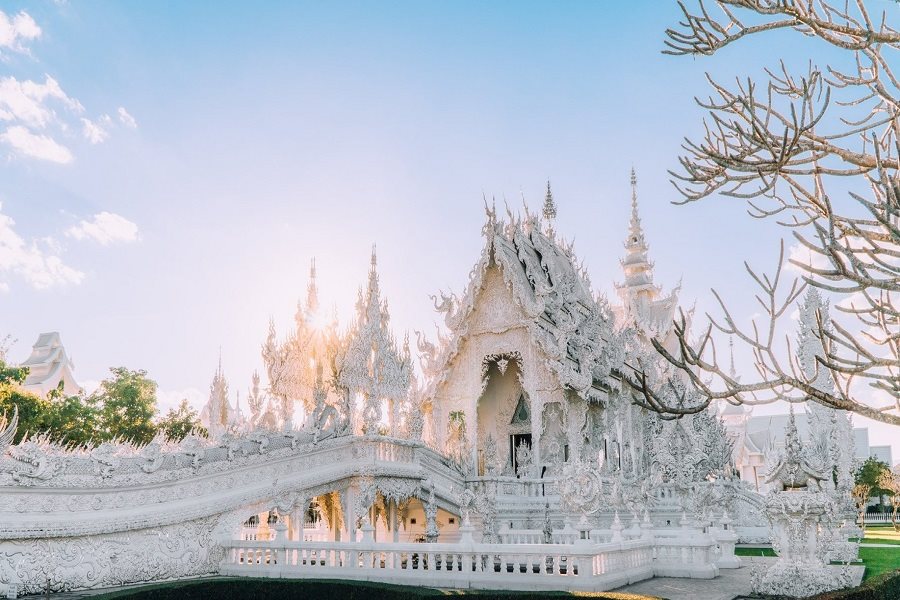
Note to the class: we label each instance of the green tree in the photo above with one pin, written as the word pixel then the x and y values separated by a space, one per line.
pixel 871 473
pixel 127 405
pixel 32 408
pixel 179 422
pixel 74 419
pixel 10 374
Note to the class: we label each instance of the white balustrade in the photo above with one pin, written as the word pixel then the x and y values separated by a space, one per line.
pixel 514 566
pixel 482 566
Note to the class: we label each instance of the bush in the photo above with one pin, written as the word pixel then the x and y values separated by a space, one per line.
pixel 883 587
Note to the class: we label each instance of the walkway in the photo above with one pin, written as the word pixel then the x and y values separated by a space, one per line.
pixel 730 584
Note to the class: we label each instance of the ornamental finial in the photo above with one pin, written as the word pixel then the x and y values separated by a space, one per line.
pixel 732 371
pixel 549 211
pixel 312 291
pixel 635 218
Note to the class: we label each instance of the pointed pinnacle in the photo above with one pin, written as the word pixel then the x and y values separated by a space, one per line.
pixel 733 371
pixel 549 204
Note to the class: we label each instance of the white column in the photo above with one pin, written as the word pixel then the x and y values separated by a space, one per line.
pixel 394 520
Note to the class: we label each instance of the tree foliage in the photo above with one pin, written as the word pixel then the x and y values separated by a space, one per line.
pixel 180 421
pixel 74 419
pixel 34 411
pixel 890 482
pixel 871 473
pixel 127 405
pixel 123 407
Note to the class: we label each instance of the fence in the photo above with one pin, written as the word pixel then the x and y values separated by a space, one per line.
pixel 879 518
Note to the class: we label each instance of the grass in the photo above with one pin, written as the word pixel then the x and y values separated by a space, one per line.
pixel 881 535
pixel 754 552
pixel 879 560
pixel 876 560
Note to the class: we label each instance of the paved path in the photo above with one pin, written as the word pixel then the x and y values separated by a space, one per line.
pixel 876 545
pixel 730 584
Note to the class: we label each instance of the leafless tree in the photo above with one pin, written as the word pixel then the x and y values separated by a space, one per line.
pixel 818 153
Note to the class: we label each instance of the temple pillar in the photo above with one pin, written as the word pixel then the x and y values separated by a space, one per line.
pixel 537 409
pixel 394 521
pixel 431 528
pixel 299 517
pixel 334 523
pixel 350 515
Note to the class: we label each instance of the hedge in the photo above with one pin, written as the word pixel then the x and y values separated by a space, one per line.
pixel 882 587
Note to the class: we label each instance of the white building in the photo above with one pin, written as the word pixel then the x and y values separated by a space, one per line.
pixel 48 366
pixel 520 461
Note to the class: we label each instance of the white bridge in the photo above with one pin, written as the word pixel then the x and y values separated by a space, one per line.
pixel 118 514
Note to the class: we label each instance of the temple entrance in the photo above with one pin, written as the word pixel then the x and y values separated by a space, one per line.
pixel 516 442
pixel 502 410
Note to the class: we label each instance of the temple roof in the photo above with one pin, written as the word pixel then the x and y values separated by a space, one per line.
pixel 48 365
pixel 564 319
pixel 643 305
pixel 793 467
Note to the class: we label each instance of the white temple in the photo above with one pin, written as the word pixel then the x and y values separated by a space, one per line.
pixel 757 441
pixel 49 367
pixel 218 415
pixel 515 458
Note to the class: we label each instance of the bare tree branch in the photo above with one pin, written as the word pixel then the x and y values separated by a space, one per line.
pixel 780 146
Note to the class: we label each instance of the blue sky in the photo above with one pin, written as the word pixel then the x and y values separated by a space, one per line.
pixel 226 147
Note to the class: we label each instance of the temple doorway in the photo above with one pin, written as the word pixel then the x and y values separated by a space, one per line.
pixel 517 440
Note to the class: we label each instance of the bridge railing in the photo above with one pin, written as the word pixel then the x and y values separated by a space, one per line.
pixel 463 565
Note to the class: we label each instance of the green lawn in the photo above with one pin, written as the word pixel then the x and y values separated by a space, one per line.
pixel 876 560
pixel 881 535
pixel 879 560
pixel 754 552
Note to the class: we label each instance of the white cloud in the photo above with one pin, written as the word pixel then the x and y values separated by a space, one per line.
pixel 33 261
pixel 37 146
pixel 803 255
pixel 93 132
pixel 15 31
pixel 28 102
pixel 105 228
pixel 166 399
pixel 126 118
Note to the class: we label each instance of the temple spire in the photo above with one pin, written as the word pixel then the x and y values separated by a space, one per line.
pixel 312 292
pixel 732 372
pixel 637 266
pixel 549 211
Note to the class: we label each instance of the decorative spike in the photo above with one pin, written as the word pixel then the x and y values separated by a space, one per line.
pixel 549 204
pixel 732 371
pixel 312 291
pixel 549 212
